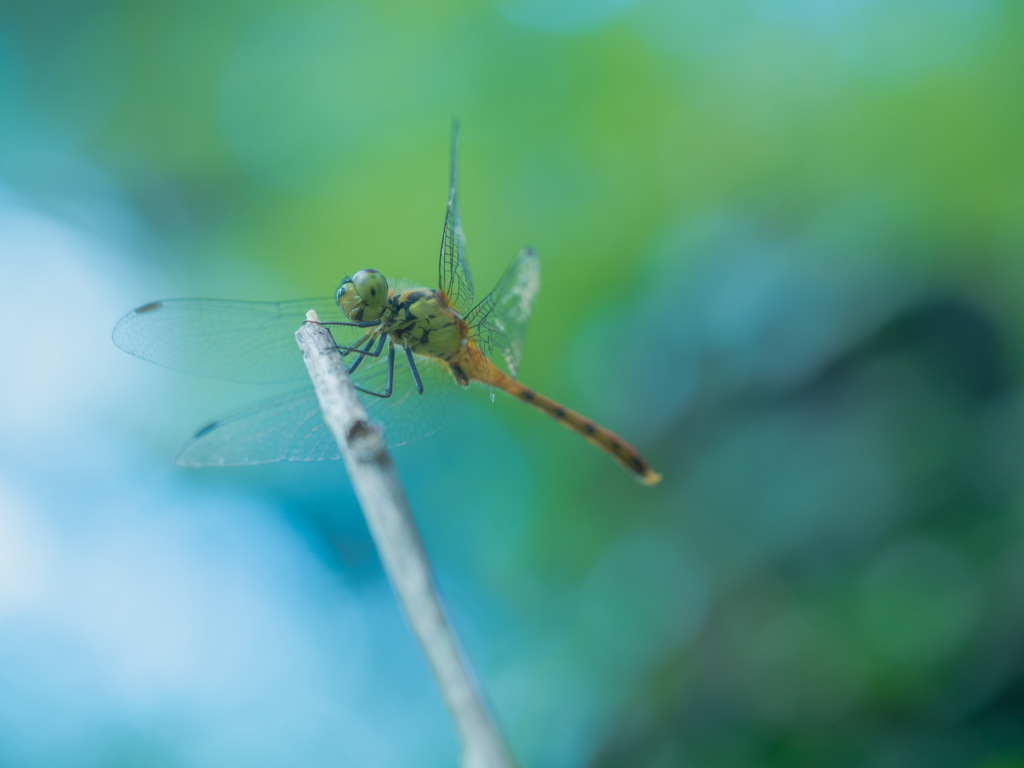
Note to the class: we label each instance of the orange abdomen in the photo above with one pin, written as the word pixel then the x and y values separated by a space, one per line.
pixel 484 371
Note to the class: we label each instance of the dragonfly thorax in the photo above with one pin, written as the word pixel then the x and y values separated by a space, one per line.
pixel 363 296
pixel 419 321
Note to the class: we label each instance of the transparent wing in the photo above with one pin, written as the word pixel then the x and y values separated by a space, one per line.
pixel 290 428
pixel 285 428
pixel 498 323
pixel 237 340
pixel 453 271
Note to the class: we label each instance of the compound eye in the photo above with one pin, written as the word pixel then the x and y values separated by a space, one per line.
pixel 371 286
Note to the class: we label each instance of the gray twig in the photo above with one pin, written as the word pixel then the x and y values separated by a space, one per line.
pixel 379 490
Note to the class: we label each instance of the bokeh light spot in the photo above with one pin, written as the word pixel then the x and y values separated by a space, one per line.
pixel 919 603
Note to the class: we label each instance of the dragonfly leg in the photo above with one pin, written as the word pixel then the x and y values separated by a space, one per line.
pixel 366 324
pixel 366 353
pixel 391 374
pixel 415 373
pixel 365 337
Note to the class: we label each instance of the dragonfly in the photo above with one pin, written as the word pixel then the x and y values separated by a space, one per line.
pixel 447 340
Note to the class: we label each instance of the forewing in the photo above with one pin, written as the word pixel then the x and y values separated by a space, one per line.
pixel 236 340
pixel 290 428
pixel 453 271
pixel 498 323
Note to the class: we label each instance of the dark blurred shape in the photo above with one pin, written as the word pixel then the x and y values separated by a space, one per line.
pixel 959 341
pixel 890 641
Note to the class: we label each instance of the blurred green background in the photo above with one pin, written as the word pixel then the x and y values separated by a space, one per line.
pixel 781 245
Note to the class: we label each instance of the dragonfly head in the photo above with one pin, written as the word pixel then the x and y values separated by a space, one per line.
pixel 362 296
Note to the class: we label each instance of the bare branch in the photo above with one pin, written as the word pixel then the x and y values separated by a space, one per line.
pixel 382 498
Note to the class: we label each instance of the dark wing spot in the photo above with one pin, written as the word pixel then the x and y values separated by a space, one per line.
pixel 560 412
pixel 638 463
pixel 206 430
pixel 149 307
pixel 591 429
pixel 527 394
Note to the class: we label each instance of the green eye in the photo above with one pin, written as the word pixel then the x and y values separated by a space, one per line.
pixel 371 286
